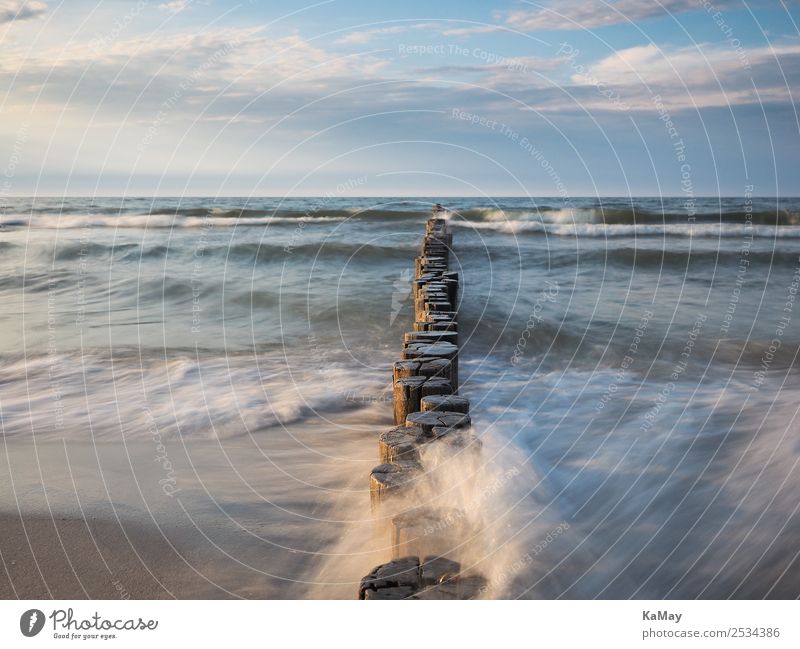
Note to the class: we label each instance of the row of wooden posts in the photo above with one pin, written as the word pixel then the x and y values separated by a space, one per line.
pixel 427 410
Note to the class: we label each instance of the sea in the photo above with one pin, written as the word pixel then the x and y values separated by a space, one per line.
pixel 631 365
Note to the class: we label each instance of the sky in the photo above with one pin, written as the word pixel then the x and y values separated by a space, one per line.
pixel 452 98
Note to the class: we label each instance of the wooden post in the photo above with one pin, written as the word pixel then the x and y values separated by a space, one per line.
pixel 435 368
pixel 423 530
pixel 400 443
pixel 392 479
pixel 435 386
pixel 407 395
pixel 404 369
pixel 445 350
pixel 430 336
pixel 431 419
pixel 445 403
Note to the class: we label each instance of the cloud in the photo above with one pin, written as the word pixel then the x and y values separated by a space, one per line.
pixel 469 31
pixel 686 78
pixel 217 71
pixel 248 48
pixel 499 72
pixel 175 6
pixel 365 36
pixel 707 75
pixel 251 76
pixel 11 10
pixel 592 14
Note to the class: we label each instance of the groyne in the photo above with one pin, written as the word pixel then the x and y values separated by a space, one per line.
pixel 432 427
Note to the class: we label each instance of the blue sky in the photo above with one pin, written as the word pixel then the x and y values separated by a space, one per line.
pixel 578 97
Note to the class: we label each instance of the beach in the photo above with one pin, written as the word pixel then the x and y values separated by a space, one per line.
pixel 94 521
pixel 73 558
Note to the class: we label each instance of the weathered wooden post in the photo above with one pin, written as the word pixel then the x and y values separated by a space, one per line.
pixel 447 403
pixel 407 396
pixel 400 443
pixel 392 479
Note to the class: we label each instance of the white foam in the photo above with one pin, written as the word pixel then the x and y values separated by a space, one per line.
pixel 77 221
pixel 86 397
pixel 704 230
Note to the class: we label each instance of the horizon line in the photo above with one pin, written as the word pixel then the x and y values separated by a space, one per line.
pixel 443 196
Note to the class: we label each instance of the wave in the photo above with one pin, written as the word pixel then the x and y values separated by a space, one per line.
pixel 157 399
pixel 676 259
pixel 624 216
pixel 245 252
pixel 315 212
pixel 715 230
pixel 196 212
pixel 76 250
pixel 621 253
pixel 322 250
pixel 36 281
pixel 153 221
pixel 601 345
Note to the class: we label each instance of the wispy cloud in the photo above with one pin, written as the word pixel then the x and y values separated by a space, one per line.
pixel 175 6
pixel 469 31
pixel 591 14
pixel 704 76
pixel 290 70
pixel 366 35
pixel 361 37
pixel 439 28
pixel 686 78
pixel 228 67
pixel 11 10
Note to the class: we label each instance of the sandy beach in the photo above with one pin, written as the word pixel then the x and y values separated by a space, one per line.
pixel 69 558
pixel 92 521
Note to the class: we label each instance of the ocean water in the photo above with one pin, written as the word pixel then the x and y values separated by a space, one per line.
pixel 631 363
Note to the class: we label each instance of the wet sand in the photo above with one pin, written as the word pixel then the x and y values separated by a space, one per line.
pixel 246 520
pixel 69 558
